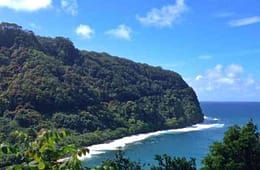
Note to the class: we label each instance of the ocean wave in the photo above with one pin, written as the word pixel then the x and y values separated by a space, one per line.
pixel 121 143
pixel 210 118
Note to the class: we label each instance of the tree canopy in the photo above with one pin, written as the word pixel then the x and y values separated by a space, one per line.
pixel 48 83
pixel 239 150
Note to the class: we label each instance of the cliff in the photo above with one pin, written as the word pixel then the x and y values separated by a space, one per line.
pixel 48 83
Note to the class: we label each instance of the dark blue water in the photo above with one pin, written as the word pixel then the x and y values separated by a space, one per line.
pixel 190 144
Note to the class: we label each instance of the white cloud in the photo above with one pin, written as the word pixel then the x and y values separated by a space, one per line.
pixel 84 31
pixel 220 75
pixel 215 72
pixel 199 77
pixel 165 16
pixel 25 5
pixel 121 32
pixel 233 70
pixel 70 6
pixel 244 21
pixel 225 80
pixel 225 83
pixel 205 57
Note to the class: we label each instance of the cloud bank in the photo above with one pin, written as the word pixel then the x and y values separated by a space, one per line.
pixel 227 82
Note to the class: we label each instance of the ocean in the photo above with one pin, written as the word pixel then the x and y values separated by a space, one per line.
pixel 188 142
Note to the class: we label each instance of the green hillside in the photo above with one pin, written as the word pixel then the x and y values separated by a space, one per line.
pixel 48 83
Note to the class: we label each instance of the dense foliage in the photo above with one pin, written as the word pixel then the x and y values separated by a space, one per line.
pixel 42 153
pixel 120 162
pixel 166 162
pixel 46 83
pixel 240 150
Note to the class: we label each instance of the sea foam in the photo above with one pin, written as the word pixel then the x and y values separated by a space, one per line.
pixel 121 143
pixel 210 118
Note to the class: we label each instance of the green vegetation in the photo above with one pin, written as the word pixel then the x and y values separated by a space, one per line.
pixel 240 150
pixel 48 83
pixel 166 162
pixel 42 153
pixel 120 162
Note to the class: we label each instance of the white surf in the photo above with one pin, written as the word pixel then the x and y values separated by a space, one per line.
pixel 123 142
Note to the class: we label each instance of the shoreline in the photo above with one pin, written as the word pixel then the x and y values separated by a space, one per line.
pixel 116 144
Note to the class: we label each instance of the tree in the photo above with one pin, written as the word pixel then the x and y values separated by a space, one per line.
pixel 240 150
pixel 120 163
pixel 42 153
pixel 166 162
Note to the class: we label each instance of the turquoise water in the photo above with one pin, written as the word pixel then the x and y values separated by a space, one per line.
pixel 189 144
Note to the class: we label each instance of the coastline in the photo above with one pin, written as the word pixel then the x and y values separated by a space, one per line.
pixel 124 141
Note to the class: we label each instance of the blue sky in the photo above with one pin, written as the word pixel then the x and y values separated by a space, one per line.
pixel 213 44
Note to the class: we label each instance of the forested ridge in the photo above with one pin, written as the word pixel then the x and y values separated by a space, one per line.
pixel 47 83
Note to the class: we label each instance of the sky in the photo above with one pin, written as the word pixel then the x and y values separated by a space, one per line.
pixel 213 44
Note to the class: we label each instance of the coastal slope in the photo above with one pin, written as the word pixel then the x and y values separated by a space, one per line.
pixel 48 83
